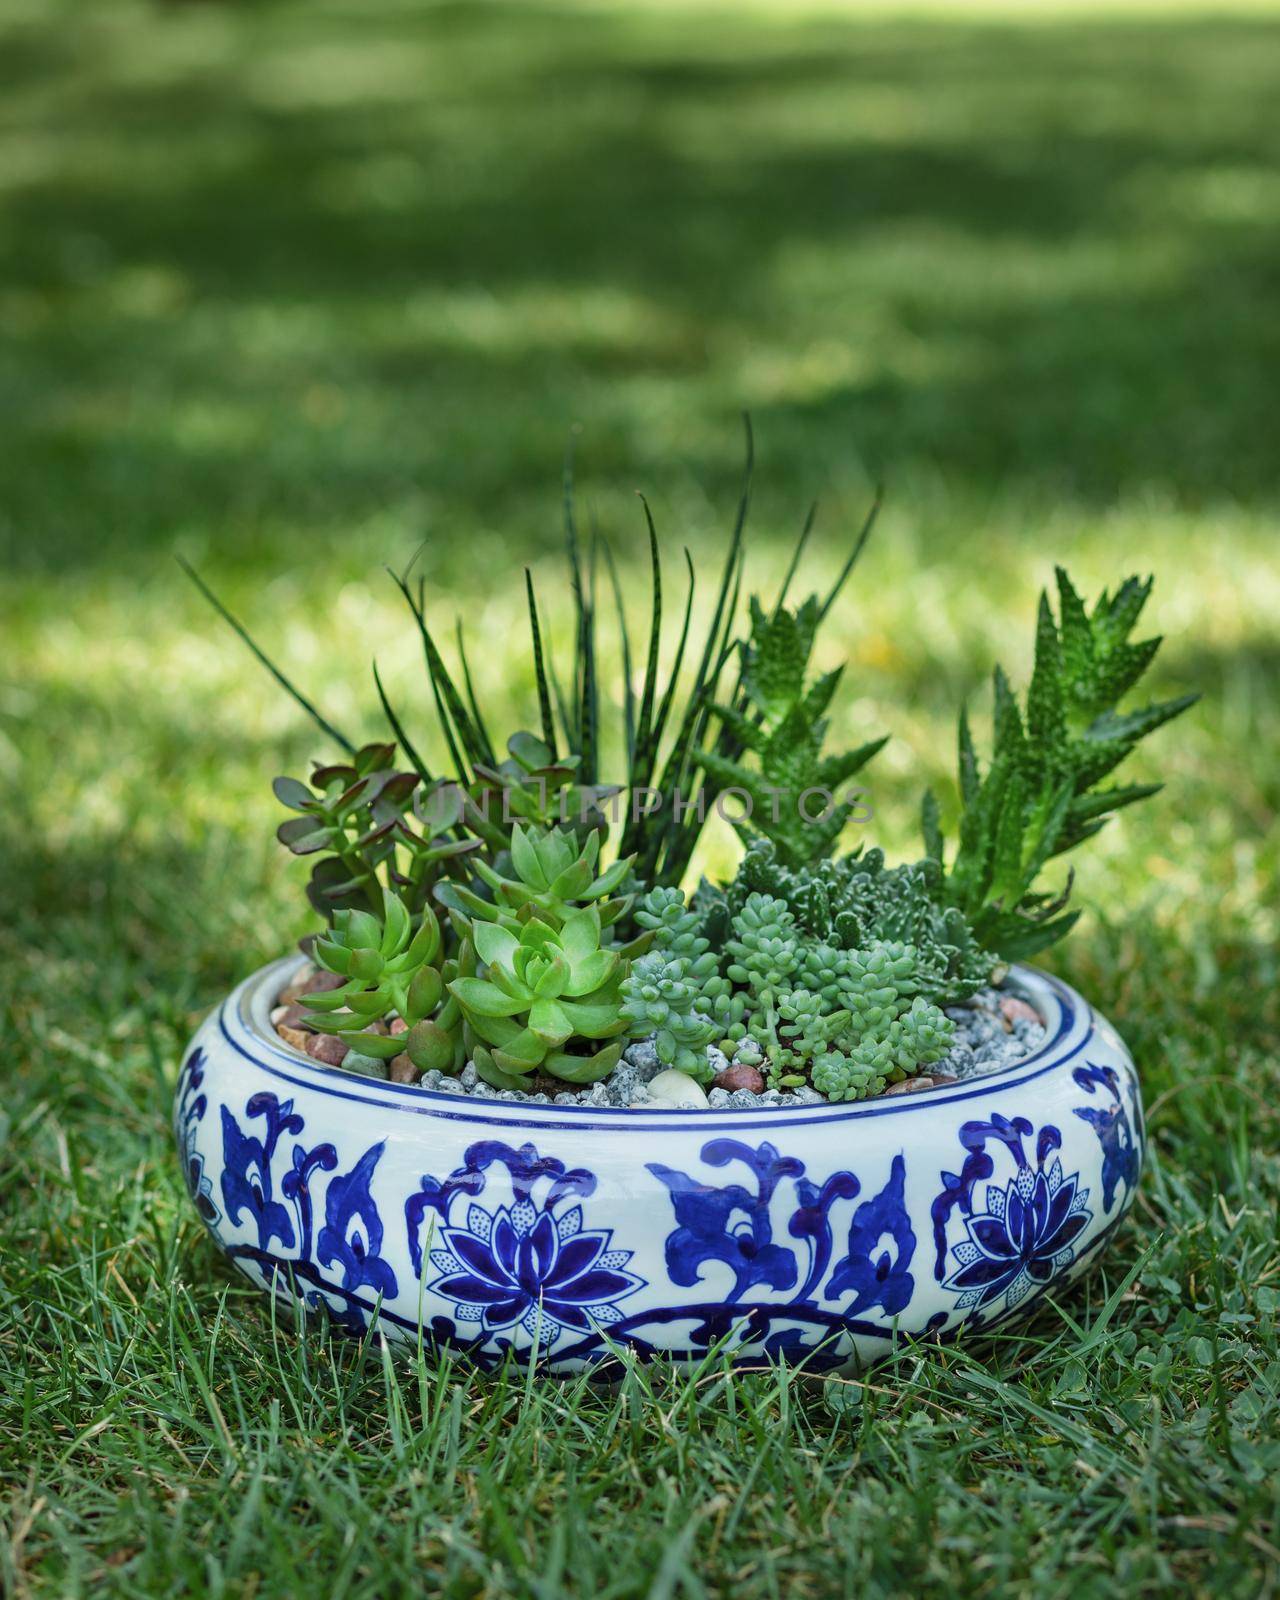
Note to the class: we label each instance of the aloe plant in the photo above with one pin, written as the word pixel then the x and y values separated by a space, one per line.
pixel 1039 794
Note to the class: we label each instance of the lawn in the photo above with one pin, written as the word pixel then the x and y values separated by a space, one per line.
pixel 290 289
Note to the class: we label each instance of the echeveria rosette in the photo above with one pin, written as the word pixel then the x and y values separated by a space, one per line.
pixel 523 1265
pixel 552 879
pixel 541 990
pixel 1028 1231
pixel 389 969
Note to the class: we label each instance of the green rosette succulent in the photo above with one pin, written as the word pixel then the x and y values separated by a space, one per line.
pixel 390 969
pixel 543 990
pixel 551 878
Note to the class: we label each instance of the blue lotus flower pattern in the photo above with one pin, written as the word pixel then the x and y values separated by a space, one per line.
pixel 521 1264
pixel 1025 1236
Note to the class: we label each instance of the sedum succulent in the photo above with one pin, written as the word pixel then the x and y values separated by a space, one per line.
pixel 660 997
pixel 542 990
pixel 857 901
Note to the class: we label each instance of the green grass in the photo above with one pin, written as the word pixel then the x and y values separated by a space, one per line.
pixel 290 288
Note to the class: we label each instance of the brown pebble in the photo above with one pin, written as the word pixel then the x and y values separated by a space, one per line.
pixel 401 1070
pixel 398 1025
pixel 313 981
pixel 1014 1010
pixel 910 1086
pixel 939 1078
pixel 327 1048
pixel 740 1076
pixel 295 1037
pixel 290 1016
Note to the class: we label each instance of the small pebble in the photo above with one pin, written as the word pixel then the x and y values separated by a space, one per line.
pixel 909 1086
pixel 741 1076
pixel 366 1066
pixel 401 1070
pixel 717 1061
pixel 295 1037
pixel 314 981
pixel 643 1055
pixel 1012 1009
pixel 399 1025
pixel 677 1090
pixel 327 1048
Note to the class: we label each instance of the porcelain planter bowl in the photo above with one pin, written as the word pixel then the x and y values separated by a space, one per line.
pixel 814 1233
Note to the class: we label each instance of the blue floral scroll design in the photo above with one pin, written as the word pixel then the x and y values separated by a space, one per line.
pixel 532 1264
pixel 190 1105
pixel 1021 1233
pixel 274 1187
pixel 1121 1142
pixel 734 1224
pixel 879 1276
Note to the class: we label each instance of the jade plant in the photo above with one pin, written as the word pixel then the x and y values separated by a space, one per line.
pixel 517 899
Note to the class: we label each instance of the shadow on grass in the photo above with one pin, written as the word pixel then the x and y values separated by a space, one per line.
pixel 316 265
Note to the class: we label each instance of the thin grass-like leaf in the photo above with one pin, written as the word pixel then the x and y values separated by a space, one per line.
pixel 476 717
pixel 796 554
pixel 238 627
pixel 454 721
pixel 540 669
pixel 865 533
pixel 643 750
pixel 628 688
pixel 397 727
pixel 684 735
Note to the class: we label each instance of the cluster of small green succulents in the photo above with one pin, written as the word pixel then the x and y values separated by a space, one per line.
pixel 469 916
pixel 851 1020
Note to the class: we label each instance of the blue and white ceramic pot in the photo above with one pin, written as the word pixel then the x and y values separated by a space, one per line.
pixel 812 1233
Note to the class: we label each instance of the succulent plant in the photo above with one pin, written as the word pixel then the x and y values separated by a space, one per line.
pixel 1038 796
pixel 660 997
pixel 835 968
pixel 543 989
pixel 782 721
pixel 358 817
pixel 532 787
pixel 389 969
pixel 550 878
pixel 855 901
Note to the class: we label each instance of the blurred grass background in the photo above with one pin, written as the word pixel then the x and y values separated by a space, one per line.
pixel 291 289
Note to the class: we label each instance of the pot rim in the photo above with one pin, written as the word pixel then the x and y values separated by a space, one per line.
pixel 244 1021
